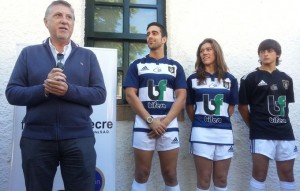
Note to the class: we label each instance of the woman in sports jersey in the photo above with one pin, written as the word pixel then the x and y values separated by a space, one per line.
pixel 268 92
pixel 211 96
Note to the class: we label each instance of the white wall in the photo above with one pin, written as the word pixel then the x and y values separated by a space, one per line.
pixel 239 26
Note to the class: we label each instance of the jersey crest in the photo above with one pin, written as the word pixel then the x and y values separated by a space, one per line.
pixel 285 84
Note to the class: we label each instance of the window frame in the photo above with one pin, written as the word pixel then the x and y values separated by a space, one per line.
pixel 126 37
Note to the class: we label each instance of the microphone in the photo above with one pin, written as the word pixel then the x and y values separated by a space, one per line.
pixel 59 63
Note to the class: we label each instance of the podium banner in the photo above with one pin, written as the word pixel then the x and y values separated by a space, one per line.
pixel 103 124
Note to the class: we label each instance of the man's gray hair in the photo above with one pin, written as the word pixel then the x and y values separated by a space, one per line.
pixel 59 2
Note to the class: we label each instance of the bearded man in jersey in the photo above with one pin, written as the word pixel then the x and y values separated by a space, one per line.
pixel 150 85
pixel 268 92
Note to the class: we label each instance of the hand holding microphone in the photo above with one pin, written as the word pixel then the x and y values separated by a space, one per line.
pixel 56 79
pixel 60 64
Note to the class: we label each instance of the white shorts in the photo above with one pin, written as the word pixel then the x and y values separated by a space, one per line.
pixel 274 149
pixel 212 152
pixel 168 141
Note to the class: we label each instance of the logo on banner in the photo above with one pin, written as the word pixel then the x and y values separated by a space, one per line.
pixel 100 180
pixel 102 127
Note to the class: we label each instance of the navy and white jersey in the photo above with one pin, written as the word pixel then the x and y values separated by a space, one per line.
pixel 156 81
pixel 211 124
pixel 268 95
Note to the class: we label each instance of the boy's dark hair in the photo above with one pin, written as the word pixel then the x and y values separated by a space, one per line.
pixel 162 28
pixel 270 44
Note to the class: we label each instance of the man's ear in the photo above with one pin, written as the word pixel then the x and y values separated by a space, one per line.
pixel 46 22
pixel 164 39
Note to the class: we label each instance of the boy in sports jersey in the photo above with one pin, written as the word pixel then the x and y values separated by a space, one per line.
pixel 268 92
pixel 211 96
pixel 150 85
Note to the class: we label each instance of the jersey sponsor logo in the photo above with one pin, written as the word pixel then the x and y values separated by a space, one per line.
pixel 156 92
pixel 262 83
pixel 295 149
pixel 277 120
pixel 213 85
pixel 156 105
pixel 157 70
pixel 212 119
pixel 216 103
pixel 274 87
pixel 277 109
pixel 285 84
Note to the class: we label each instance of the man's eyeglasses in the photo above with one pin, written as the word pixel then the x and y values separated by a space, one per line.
pixel 59 64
